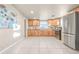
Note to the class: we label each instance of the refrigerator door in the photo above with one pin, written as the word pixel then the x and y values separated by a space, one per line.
pixel 71 23
pixel 68 24
pixel 65 24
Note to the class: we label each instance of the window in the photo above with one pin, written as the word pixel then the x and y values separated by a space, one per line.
pixel 43 24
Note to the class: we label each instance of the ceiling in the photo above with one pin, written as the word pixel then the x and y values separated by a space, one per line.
pixel 44 11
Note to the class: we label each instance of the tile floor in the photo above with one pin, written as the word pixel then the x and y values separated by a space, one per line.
pixel 40 45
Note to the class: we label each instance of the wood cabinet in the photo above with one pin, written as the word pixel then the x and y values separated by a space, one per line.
pixel 35 30
pixel 54 22
pixel 33 22
pixel 36 22
pixel 51 32
pixel 30 22
pixel 38 32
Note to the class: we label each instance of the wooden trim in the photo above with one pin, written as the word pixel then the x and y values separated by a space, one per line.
pixel 73 8
pixel 24 27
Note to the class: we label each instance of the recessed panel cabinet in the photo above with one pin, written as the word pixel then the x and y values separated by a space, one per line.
pixel 30 22
pixel 54 22
pixel 33 22
pixel 34 28
pixel 36 22
pixel 38 32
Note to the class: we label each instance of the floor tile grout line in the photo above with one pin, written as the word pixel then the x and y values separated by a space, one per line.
pixel 10 46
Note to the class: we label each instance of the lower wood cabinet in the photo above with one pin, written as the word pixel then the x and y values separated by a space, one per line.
pixel 38 32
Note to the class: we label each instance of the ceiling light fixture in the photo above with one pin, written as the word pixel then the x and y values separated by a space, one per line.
pixel 32 12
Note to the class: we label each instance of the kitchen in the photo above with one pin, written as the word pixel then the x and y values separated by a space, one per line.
pixel 42 27
pixel 48 28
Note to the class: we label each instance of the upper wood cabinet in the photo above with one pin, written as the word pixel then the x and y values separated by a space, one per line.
pixel 30 22
pixel 36 22
pixel 54 22
pixel 33 22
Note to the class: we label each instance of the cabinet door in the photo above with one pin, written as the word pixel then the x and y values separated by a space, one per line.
pixel 36 22
pixel 45 32
pixel 50 32
pixel 29 32
pixel 30 22
pixel 37 32
pixel 54 22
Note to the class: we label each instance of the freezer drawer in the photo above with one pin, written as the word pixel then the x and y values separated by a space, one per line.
pixel 71 41
pixel 66 39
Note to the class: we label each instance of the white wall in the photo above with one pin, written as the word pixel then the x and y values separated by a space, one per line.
pixel 6 35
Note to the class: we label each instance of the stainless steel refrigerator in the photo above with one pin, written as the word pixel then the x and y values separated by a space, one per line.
pixel 71 30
